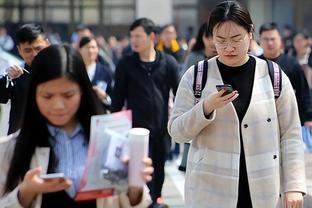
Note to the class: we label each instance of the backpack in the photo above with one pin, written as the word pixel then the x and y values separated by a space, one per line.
pixel 200 78
pixel 201 71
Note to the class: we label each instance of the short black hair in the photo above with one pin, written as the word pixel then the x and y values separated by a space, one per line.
pixel 147 24
pixel 29 33
pixel 166 26
pixel 268 27
pixel 84 41
pixel 203 31
pixel 82 27
pixel 305 33
pixel 157 29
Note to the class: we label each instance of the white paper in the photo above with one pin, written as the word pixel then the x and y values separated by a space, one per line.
pixel 138 147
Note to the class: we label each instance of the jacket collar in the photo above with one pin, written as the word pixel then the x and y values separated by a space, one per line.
pixel 155 63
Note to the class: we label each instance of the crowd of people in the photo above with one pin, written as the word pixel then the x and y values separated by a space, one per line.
pixel 245 148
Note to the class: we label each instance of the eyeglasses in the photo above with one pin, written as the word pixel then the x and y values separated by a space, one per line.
pixel 234 42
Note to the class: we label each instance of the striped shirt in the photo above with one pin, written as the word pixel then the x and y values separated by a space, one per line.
pixel 71 153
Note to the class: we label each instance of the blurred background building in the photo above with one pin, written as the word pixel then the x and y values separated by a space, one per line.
pixel 114 16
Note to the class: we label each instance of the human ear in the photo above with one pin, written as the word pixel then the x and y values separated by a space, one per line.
pixel 152 36
pixel 47 41
pixel 250 34
pixel 19 49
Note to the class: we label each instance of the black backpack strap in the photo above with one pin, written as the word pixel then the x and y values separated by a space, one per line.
pixel 276 78
pixel 200 79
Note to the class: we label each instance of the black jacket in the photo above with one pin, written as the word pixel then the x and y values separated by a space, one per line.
pixel 17 96
pixel 294 71
pixel 144 87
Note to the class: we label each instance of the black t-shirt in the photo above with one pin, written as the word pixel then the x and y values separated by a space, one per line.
pixel 241 78
pixel 148 66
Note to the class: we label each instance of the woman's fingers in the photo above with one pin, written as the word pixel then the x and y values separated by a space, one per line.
pixel 148 169
pixel 60 184
pixel 229 96
pixel 293 200
pixel 147 161
pixel 32 182
pixel 223 100
pixel 147 173
pixel 233 96
pixel 54 185
pixel 99 92
pixel 32 173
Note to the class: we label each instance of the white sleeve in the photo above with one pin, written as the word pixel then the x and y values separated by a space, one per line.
pixel 10 200
pixel 185 114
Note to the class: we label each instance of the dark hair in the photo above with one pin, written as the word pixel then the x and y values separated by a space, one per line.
pixel 268 27
pixel 51 63
pixel 166 26
pixel 230 11
pixel 157 29
pixel 84 41
pixel 82 27
pixel 199 44
pixel 29 33
pixel 305 34
pixel 147 24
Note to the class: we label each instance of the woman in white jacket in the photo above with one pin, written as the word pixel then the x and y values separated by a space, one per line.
pixel 53 137
pixel 246 146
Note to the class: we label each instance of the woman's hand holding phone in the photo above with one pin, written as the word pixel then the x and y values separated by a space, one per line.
pixel 219 99
pixel 33 185
pixel 227 87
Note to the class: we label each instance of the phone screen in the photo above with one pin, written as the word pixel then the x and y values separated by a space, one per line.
pixel 227 87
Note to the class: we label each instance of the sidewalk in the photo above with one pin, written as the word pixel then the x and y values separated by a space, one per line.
pixel 173 189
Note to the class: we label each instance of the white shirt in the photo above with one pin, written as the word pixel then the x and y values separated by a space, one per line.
pixel 91 71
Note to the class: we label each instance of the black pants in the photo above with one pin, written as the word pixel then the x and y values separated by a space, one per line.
pixel 157 152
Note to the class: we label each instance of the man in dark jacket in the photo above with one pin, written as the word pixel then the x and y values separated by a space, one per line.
pixel 30 39
pixel 271 42
pixel 143 81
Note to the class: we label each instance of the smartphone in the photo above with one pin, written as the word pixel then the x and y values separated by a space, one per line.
pixel 227 87
pixel 52 176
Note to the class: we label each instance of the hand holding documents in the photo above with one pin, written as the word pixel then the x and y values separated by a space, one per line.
pixel 105 172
